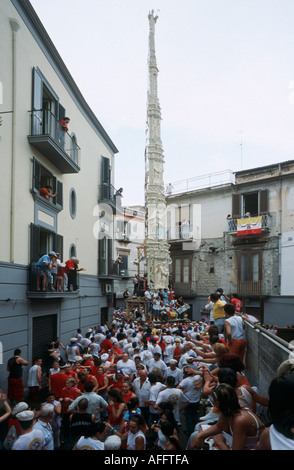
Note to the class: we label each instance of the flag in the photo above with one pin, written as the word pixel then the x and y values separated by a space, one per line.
pixel 249 226
pixel 252 318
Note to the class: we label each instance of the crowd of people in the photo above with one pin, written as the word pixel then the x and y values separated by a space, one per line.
pixel 161 304
pixel 139 385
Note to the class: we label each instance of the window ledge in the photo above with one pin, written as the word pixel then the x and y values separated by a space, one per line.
pixel 47 204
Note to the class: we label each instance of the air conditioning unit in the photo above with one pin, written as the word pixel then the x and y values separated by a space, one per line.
pixel 108 288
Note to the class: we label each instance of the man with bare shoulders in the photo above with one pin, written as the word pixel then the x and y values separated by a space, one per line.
pixel 15 382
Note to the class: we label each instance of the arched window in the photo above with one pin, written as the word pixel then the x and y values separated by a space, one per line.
pixel 72 251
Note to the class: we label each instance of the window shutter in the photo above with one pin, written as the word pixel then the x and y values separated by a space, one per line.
pixel 105 170
pixel 35 243
pixel 236 206
pixel 37 104
pixel 59 190
pixel 36 175
pixel 263 201
pixel 58 245
pixel 61 112
pixel 109 248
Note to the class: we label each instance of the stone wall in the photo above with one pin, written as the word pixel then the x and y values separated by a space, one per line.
pixel 264 354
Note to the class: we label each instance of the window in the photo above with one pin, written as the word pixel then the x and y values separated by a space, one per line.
pixel 106 264
pixel 45 105
pixel 182 270
pixel 73 203
pixel 255 202
pixel 250 267
pixel 43 241
pixel 43 177
pixel 123 265
pixel 250 204
pixel 72 251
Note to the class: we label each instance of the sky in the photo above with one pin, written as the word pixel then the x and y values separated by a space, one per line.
pixel 225 82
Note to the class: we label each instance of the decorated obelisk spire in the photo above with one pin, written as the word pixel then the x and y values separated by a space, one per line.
pixel 156 245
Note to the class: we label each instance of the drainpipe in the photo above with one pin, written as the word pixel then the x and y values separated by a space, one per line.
pixel 280 227
pixel 14 28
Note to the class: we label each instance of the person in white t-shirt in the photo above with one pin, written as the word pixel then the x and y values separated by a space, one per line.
pixel 173 395
pixel 157 362
pixel 29 439
pixel 93 438
pixel 127 365
pixel 191 386
pixel 174 371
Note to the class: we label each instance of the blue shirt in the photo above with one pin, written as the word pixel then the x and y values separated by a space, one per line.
pixel 47 432
pixel 44 259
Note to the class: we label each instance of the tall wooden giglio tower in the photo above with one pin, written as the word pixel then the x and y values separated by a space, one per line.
pixel 156 245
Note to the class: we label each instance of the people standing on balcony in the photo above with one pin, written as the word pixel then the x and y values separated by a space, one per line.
pixel 63 129
pixel 54 271
pixel 185 228
pixel 118 196
pixel 230 222
pixel 72 268
pixel 43 268
pixel 169 189
pixel 46 192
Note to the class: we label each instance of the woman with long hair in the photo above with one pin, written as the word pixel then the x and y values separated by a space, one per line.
pixel 280 433
pixel 116 407
pixel 237 428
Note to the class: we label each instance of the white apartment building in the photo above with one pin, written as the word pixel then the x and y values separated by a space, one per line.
pixel 36 92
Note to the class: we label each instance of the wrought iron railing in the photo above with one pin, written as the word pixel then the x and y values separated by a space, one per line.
pixel 44 123
pixel 180 232
pixel 233 223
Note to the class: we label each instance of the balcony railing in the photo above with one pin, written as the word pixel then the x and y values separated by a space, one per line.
pixel 265 223
pixel 249 287
pixel 107 194
pixel 180 232
pixel 108 268
pixel 32 291
pixel 57 145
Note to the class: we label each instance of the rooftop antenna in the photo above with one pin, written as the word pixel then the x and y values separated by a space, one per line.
pixel 241 149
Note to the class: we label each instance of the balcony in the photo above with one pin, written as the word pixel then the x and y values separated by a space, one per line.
pixel 57 145
pixel 107 194
pixel 265 224
pixel 108 269
pixel 249 287
pixel 33 293
pixel 180 232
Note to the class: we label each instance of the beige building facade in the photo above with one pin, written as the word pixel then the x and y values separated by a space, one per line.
pixel 37 92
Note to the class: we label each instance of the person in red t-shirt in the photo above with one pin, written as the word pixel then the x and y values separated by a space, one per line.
pixel 45 191
pixel 115 380
pixel 117 352
pixel 57 382
pixel 236 302
pixel 86 376
pixel 69 393
pixel 106 344
pixel 178 350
